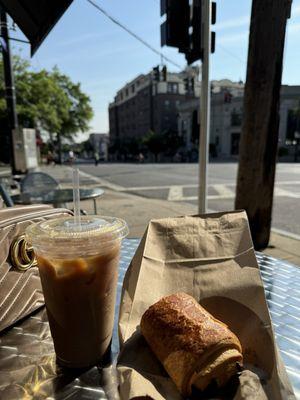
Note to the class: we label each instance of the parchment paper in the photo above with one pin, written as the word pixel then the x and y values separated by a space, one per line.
pixel 211 258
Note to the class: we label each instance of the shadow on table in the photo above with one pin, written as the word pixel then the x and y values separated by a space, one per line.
pixel 99 382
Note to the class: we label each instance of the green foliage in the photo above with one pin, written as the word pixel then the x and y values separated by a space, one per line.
pixel 79 109
pixel 128 147
pixel 132 146
pixel 155 143
pixel 87 146
pixel 168 143
pixel 172 142
pixel 47 100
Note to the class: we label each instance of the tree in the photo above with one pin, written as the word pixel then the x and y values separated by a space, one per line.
pixel 155 143
pixel 48 100
pixel 259 139
pixel 79 111
pixel 172 142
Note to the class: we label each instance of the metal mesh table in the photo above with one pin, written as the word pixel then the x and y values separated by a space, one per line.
pixel 27 360
pixel 58 197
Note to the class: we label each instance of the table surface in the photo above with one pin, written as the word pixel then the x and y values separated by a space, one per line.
pixel 27 359
pixel 56 196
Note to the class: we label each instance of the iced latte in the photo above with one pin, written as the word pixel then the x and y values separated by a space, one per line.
pixel 79 271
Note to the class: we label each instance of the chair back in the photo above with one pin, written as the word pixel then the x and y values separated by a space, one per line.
pixel 6 196
pixel 38 183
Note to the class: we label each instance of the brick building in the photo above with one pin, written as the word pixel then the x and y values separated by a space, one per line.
pixel 150 103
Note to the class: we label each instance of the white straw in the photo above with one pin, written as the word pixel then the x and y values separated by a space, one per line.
pixel 76 198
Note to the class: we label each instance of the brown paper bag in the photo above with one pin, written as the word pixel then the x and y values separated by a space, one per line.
pixel 211 258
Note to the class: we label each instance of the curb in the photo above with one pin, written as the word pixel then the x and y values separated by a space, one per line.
pixel 289 235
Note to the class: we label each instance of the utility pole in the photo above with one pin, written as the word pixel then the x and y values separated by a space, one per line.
pixel 204 107
pixel 188 27
pixel 10 93
pixel 259 139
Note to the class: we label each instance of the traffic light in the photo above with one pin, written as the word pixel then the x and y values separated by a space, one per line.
pixel 183 27
pixel 213 21
pixel 156 74
pixel 175 30
pixel 195 51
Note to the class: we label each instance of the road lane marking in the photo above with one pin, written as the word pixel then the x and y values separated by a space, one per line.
pixel 136 188
pixel 209 197
pixel 223 190
pixel 102 182
pixel 175 193
pixel 279 192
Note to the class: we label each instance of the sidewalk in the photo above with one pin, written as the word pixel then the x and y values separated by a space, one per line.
pixel 137 211
pixel 4 171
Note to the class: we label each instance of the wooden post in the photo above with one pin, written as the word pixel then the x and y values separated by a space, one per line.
pixel 258 145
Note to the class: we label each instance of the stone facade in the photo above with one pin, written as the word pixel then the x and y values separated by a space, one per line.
pixel 226 118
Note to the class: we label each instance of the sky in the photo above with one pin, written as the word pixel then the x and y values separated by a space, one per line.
pixel 94 51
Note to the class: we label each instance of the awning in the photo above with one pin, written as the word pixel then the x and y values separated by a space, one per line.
pixel 35 18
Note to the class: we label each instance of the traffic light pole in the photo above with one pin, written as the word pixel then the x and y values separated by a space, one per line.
pixel 204 107
pixel 10 93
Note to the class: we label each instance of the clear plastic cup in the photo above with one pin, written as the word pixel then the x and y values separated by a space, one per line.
pixel 79 272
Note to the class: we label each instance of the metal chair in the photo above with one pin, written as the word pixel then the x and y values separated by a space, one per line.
pixel 6 196
pixel 38 183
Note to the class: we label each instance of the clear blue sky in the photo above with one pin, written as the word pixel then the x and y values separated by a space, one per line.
pixel 92 50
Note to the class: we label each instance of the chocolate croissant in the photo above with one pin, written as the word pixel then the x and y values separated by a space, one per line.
pixel 193 346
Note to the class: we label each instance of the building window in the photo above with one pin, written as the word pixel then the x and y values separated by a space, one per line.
pixel 236 119
pixel 172 87
pixel 177 103
pixel 132 89
pixel 292 126
pixel 167 103
pixel 126 92
pixel 121 96
pixel 235 141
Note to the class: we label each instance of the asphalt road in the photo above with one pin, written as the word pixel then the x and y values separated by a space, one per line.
pixel 178 182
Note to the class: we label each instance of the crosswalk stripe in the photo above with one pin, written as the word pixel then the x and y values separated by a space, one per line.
pixel 286 193
pixel 223 190
pixel 175 193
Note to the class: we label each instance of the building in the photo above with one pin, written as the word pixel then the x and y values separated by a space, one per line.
pixel 289 125
pixel 150 103
pixel 227 115
pixel 226 97
pixel 99 143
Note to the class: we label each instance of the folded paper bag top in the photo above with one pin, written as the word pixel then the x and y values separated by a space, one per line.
pixel 211 258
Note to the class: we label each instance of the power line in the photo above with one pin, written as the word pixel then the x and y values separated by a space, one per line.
pixel 115 21
pixel 232 54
